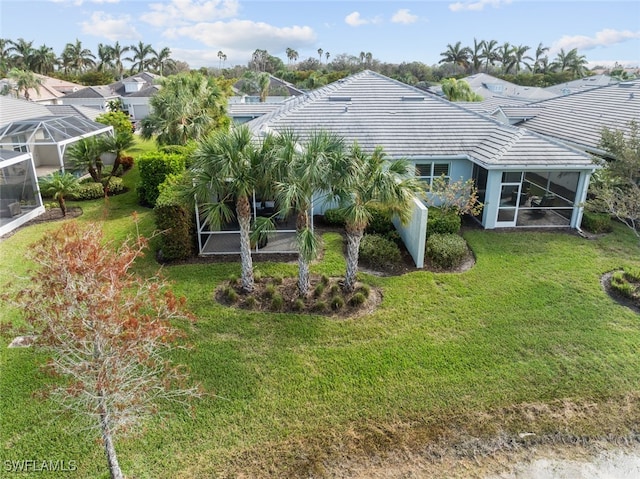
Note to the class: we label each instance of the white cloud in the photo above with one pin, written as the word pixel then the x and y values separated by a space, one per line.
pixel 102 24
pixel 183 11
pixel 602 38
pixel 476 5
pixel 245 36
pixel 403 16
pixel 355 20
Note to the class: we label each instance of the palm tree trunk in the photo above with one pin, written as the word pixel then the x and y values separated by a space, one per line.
pixel 303 276
pixel 243 209
pixel 63 205
pixel 354 236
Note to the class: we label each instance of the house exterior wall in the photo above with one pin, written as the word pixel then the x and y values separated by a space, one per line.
pixel 414 232
pixel 99 103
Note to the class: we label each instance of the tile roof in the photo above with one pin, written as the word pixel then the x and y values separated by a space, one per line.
pixel 146 78
pixel 77 110
pixel 377 111
pixel 579 118
pixel 581 84
pixel 93 92
pixel 15 109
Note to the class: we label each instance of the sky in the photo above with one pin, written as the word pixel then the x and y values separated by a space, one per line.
pixel 393 31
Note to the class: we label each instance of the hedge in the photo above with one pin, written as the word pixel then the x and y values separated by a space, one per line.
pixel 154 168
pixel 441 222
pixel 446 250
pixel 175 220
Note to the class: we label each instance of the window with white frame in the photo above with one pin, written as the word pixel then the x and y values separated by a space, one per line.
pixel 430 170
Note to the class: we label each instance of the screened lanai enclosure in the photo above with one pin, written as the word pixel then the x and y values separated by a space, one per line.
pixel 226 239
pixel 48 138
pixel 20 199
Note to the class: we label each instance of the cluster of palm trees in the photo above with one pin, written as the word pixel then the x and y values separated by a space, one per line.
pixel 487 54
pixel 230 166
pixel 76 59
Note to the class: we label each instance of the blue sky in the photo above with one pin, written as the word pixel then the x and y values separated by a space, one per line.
pixel 393 31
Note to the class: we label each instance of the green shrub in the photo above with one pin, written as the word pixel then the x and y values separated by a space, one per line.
pixel 324 279
pixel 365 290
pixel 320 306
pixel 624 282
pixel 319 289
pixel 126 163
pixel 117 119
pixel 632 274
pixel 154 168
pixel 380 222
pixel 250 302
pixel 231 294
pixel 334 217
pixel 233 279
pixel 446 250
pixel 175 220
pixel 277 279
pixel 87 191
pixel 395 237
pixel 377 250
pixel 357 299
pixel 277 302
pixel 269 291
pixel 597 222
pixel 337 302
pixel 334 289
pixel 298 304
pixel 441 222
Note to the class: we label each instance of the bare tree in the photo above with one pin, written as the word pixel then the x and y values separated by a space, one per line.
pixel 105 329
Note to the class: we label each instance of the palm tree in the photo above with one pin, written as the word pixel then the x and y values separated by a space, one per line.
pixel 320 51
pixel 116 56
pixel 162 59
pixel 122 140
pixel 141 56
pixel 187 107
pixel 490 53
pixel 563 60
pixel 540 57
pixel 326 56
pixel 457 55
pixel 519 57
pixel 306 171
pixel 364 181
pixel 4 55
pixel 289 52
pixel 21 53
pixel 44 60
pixel 105 57
pixel 476 55
pixel 77 57
pixel 58 185
pixel 578 64
pixel 85 155
pixel 220 55
pixel 23 81
pixel 505 54
pixel 264 80
pixel 228 167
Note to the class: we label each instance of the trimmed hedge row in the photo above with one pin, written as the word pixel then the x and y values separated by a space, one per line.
pixel 92 190
pixel 154 168
pixel 597 222
pixel 175 221
pixel 441 222
pixel 446 250
pixel 377 250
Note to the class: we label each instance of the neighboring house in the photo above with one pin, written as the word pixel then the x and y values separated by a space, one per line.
pixel 514 169
pixel 31 128
pixel 243 107
pixel 579 118
pixel 50 90
pixel 97 97
pixel 581 84
pixel 135 92
pixel 20 199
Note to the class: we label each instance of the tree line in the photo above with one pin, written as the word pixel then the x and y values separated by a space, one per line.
pixel 518 64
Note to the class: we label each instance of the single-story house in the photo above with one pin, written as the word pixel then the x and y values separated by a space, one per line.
pixel 97 97
pixel 20 199
pixel 48 92
pixel 135 92
pixel 525 179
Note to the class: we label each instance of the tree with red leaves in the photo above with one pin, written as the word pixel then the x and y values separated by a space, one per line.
pixel 106 329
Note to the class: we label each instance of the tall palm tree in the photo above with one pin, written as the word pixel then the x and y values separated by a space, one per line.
pixel 578 64
pixel 187 107
pixel 326 56
pixel 320 51
pixel 363 181
pixel 58 185
pixel 116 56
pixel 538 64
pixel 490 53
pixel 162 59
pixel 116 144
pixel 264 80
pixel 21 53
pixel 307 167
pixel 476 55
pixel 78 57
pixel 44 60
pixel 105 57
pixel 228 167
pixel 141 58
pixel 220 56
pixel 519 57
pixel 5 54
pixel 456 54
pixel 289 52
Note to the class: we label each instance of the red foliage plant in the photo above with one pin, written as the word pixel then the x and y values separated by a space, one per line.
pixel 106 329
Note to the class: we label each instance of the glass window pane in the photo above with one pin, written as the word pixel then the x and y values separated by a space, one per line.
pixel 440 169
pixel 424 169
pixel 511 176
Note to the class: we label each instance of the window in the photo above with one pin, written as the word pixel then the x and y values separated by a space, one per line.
pixel 428 171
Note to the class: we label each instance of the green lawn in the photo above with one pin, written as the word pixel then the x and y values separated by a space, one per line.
pixel 529 324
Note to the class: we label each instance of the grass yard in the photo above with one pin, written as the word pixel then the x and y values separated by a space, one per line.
pixel 526 340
